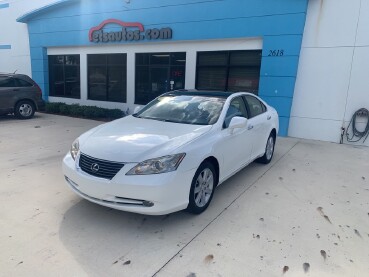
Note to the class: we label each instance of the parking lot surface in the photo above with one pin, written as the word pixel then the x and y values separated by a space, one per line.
pixel 305 214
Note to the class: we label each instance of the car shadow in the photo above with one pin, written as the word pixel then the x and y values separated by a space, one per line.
pixel 89 230
pixel 105 241
pixel 100 237
pixel 10 117
pixel 7 117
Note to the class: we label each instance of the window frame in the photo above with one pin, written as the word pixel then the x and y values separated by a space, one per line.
pixel 228 66
pixel 226 125
pixel 263 107
pixel 107 66
pixel 63 65
pixel 148 66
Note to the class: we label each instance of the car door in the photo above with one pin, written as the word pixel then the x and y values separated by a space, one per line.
pixel 258 122
pixel 234 146
pixel 7 87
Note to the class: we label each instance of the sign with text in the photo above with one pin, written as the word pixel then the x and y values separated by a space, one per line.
pixel 130 31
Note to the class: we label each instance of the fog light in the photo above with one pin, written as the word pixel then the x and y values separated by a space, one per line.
pixel 148 203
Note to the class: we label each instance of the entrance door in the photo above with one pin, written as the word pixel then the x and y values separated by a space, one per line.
pixel 160 82
pixel 157 73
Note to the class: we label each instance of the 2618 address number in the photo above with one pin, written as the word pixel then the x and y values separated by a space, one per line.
pixel 276 53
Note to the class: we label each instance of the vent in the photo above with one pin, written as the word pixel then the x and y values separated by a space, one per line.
pixel 99 168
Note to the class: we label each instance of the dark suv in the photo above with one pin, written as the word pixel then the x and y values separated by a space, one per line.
pixel 20 95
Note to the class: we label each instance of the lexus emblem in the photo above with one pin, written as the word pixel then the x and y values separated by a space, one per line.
pixel 95 167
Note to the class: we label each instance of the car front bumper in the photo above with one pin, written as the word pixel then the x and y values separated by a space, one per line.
pixel 155 194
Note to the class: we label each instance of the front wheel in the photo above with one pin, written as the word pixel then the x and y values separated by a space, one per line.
pixel 269 150
pixel 202 188
pixel 24 109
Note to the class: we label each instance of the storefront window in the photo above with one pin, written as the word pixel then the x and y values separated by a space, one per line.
pixel 64 76
pixel 157 73
pixel 229 70
pixel 107 77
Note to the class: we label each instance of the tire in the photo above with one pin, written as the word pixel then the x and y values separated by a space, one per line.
pixel 269 150
pixel 24 109
pixel 202 191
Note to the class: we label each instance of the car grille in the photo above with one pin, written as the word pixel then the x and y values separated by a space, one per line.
pixel 99 168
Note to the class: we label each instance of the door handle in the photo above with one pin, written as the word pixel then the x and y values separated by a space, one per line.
pixel 250 127
pixel 269 117
pixel 15 89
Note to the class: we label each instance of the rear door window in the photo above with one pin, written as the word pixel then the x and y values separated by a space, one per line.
pixel 255 106
pixel 23 83
pixel 7 82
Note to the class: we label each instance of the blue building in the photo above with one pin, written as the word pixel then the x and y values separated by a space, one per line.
pixel 124 53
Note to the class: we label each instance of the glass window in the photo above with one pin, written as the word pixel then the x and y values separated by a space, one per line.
pixel 23 83
pixel 229 70
pixel 247 58
pixel 255 106
pixel 7 82
pixel 107 77
pixel 211 78
pixel 157 73
pixel 186 109
pixel 236 108
pixel 213 58
pixel 243 79
pixel 160 59
pixel 64 76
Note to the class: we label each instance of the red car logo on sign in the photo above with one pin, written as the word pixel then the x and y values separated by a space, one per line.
pixel 97 34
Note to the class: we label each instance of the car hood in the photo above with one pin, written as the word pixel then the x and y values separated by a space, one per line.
pixel 132 139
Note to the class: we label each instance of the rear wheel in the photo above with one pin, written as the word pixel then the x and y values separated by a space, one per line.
pixel 202 188
pixel 269 150
pixel 24 109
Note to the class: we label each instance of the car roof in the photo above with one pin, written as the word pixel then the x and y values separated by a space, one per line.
pixel 12 74
pixel 195 92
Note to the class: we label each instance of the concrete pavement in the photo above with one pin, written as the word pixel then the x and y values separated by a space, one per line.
pixel 305 214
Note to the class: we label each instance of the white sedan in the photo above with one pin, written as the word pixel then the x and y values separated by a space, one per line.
pixel 173 153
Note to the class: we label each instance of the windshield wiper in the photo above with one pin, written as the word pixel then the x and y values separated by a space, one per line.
pixel 161 119
pixel 153 118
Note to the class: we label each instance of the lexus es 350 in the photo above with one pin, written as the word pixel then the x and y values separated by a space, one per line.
pixel 173 153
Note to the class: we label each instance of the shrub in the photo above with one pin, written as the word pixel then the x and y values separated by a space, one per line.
pixel 64 109
pixel 76 110
pixel 115 113
pixel 52 107
pixel 89 111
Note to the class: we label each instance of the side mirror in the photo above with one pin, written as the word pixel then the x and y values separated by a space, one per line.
pixel 237 122
pixel 137 109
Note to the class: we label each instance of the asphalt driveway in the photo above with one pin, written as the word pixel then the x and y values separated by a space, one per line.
pixel 305 214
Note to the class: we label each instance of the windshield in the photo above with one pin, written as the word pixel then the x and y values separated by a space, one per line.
pixel 187 109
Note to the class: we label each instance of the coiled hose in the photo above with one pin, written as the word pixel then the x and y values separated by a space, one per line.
pixel 356 134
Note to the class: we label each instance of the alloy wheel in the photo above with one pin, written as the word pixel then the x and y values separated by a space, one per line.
pixel 204 187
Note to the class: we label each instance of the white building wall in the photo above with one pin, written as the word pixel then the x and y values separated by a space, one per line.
pixel 332 81
pixel 15 34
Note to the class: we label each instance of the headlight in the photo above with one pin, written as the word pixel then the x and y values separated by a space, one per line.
pixel 158 165
pixel 74 149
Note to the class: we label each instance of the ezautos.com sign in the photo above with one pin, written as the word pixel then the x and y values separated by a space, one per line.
pixel 131 31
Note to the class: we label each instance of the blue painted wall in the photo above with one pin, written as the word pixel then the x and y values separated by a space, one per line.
pixel 5 46
pixel 4 5
pixel 279 22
